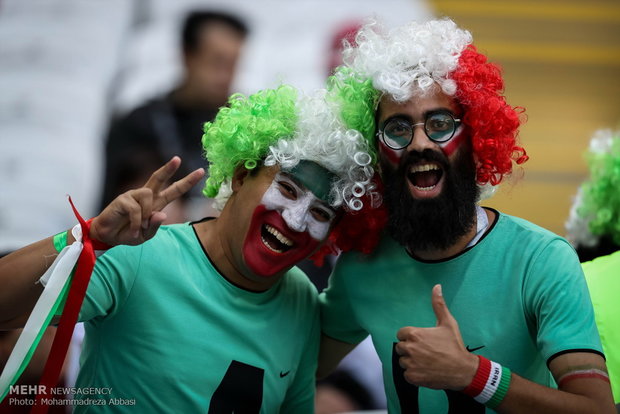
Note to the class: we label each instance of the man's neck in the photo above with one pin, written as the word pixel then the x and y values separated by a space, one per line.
pixel 186 96
pixel 456 248
pixel 210 234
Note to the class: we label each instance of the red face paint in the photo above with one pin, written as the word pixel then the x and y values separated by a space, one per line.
pixel 449 147
pixel 265 261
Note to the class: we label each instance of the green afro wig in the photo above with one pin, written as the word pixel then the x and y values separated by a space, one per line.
pixel 596 210
pixel 241 133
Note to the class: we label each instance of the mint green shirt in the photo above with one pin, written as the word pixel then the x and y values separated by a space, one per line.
pixel 603 277
pixel 519 297
pixel 167 333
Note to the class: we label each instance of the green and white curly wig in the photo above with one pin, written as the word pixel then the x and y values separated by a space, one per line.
pixel 596 207
pixel 282 127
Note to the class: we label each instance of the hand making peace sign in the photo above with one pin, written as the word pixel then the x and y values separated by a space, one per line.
pixel 134 216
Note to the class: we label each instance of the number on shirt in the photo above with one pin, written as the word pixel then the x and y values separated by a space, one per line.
pixel 240 392
pixel 408 394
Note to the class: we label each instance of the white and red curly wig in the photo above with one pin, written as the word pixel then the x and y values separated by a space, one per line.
pixel 407 61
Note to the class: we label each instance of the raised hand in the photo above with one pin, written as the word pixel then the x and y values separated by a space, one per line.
pixel 134 216
pixel 436 357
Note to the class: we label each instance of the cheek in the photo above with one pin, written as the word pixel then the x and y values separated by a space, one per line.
pixel 390 155
pixel 319 230
pixel 450 147
pixel 274 200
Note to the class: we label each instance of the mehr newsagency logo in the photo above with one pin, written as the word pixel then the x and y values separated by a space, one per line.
pixel 66 396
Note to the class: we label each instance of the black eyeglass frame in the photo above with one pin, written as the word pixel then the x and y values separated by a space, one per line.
pixel 456 122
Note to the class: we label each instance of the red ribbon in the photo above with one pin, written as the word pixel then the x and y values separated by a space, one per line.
pixel 58 352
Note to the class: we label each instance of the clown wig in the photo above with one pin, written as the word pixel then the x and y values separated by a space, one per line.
pixel 408 60
pixel 596 209
pixel 282 127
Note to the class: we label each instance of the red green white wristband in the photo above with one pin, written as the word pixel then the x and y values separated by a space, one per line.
pixel 60 242
pixel 490 384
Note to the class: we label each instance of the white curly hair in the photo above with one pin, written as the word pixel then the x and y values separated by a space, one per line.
pixel 407 60
pixel 321 136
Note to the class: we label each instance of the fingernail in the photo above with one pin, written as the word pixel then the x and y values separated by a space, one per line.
pixel 136 234
pixel 439 292
pixel 145 224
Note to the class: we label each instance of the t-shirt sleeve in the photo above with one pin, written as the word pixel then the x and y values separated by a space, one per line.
pixel 338 319
pixel 558 301
pixel 300 395
pixel 111 282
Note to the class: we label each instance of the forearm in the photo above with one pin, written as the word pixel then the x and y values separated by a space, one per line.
pixel 526 396
pixel 20 272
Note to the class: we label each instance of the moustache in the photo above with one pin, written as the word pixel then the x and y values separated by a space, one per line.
pixel 428 155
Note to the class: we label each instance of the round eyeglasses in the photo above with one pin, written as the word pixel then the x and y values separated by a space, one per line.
pixel 439 126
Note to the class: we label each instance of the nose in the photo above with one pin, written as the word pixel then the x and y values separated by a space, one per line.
pixel 420 140
pixel 296 216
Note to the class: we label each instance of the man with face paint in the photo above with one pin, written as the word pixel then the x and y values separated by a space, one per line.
pixel 469 309
pixel 212 316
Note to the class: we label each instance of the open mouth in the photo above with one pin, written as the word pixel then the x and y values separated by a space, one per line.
pixel 425 177
pixel 274 240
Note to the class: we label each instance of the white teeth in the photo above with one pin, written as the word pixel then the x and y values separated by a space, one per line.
pixel 269 246
pixel 281 238
pixel 424 167
pixel 425 188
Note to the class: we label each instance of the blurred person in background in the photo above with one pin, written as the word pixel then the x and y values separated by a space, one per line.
pixel 213 314
pixel 345 33
pixel 141 141
pixel 470 310
pixel 593 228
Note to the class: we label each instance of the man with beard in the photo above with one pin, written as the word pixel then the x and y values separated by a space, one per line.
pixel 210 316
pixel 469 309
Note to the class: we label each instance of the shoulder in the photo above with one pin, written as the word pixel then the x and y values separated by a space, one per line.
pixel 515 224
pixel 180 232
pixel 528 236
pixel 604 268
pixel 168 240
pixel 388 254
pixel 154 104
pixel 139 118
pixel 296 279
pixel 296 283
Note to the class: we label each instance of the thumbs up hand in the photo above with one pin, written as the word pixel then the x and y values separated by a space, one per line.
pixel 436 357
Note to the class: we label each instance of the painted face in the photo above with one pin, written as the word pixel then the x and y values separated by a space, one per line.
pixel 291 221
pixel 423 161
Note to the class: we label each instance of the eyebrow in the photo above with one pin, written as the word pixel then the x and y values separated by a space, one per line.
pixel 304 188
pixel 426 113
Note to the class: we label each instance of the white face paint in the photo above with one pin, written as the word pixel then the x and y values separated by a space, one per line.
pixel 299 207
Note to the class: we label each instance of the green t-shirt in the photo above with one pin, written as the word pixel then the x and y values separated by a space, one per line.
pixel 603 277
pixel 167 333
pixel 519 297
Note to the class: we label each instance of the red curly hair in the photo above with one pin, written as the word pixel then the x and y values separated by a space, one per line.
pixel 493 123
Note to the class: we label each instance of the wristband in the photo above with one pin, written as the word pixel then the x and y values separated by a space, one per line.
pixel 60 241
pixel 490 384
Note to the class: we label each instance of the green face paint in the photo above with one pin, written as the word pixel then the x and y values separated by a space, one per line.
pixel 314 177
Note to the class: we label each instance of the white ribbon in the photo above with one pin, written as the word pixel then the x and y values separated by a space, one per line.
pixel 56 276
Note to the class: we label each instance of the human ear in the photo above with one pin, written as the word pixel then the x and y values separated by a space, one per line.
pixel 239 176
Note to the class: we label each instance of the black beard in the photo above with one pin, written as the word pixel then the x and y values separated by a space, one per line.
pixel 432 224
